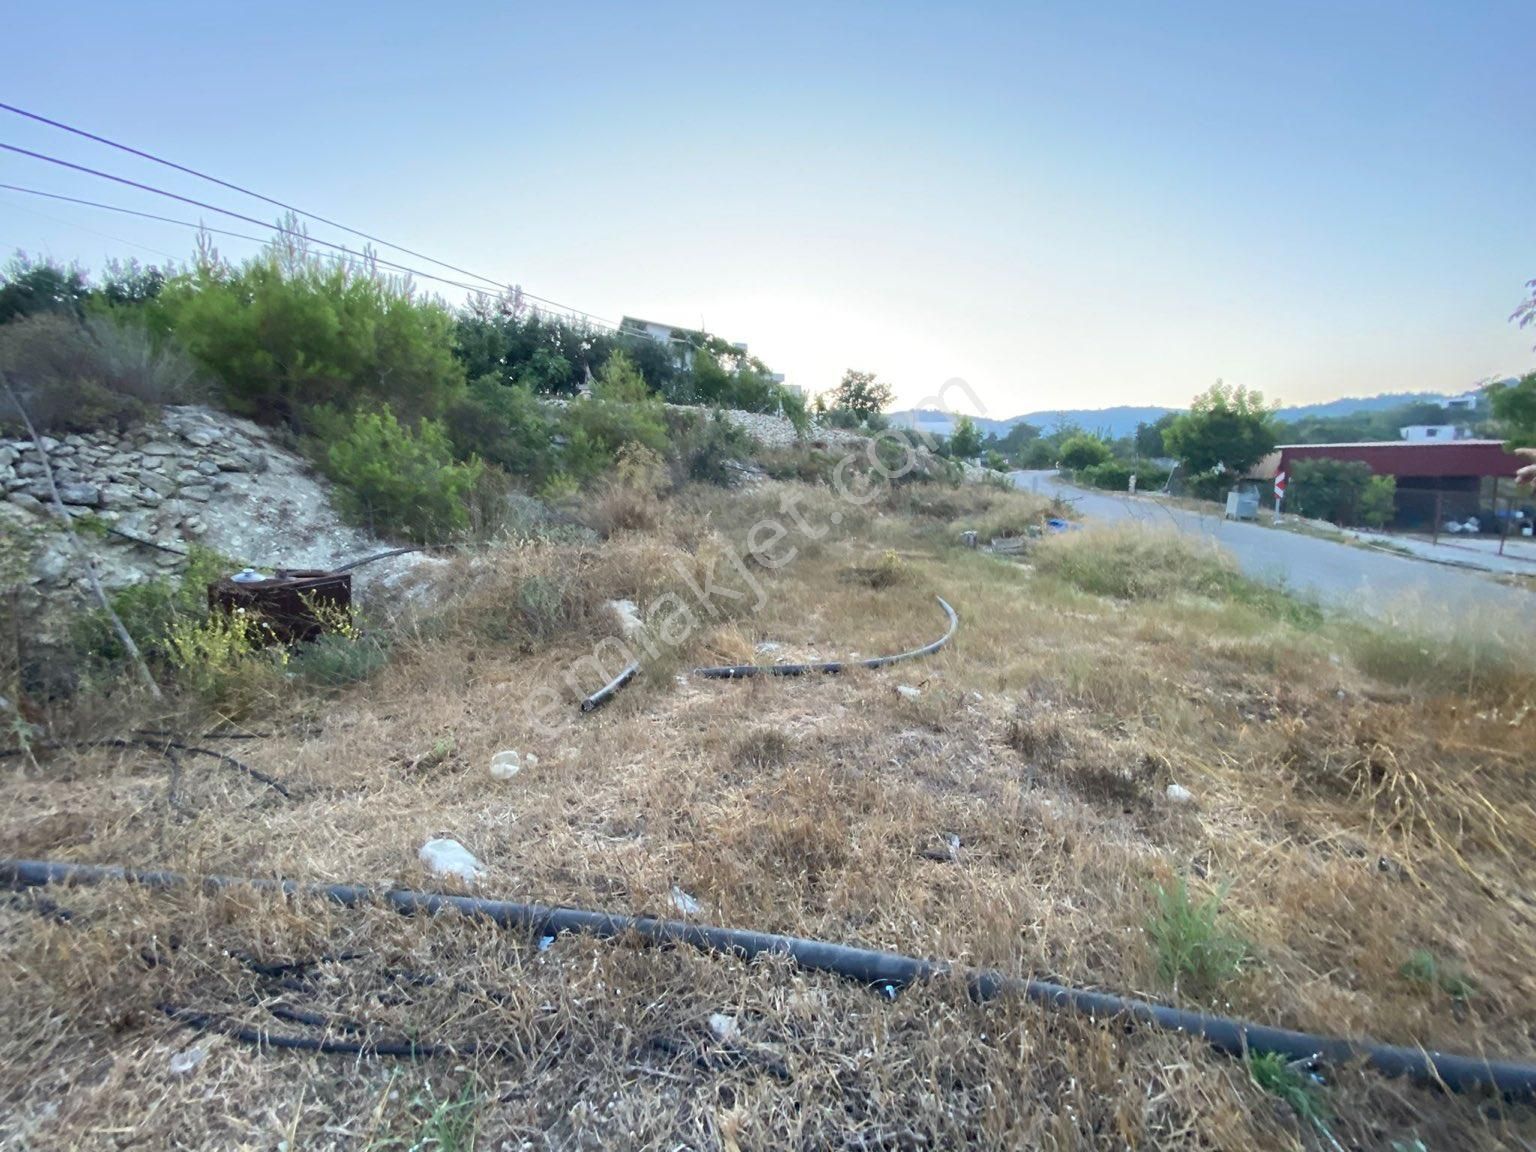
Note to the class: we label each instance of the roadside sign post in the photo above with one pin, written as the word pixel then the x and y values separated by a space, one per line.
pixel 1279 494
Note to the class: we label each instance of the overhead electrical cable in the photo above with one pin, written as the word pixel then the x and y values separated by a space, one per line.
pixel 150 156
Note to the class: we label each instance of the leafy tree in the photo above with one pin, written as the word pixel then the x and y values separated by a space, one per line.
pixel 1017 437
pixel 1148 440
pixel 965 440
pixel 1378 501
pixel 29 287
pixel 861 394
pixel 1514 406
pixel 1083 451
pixel 995 460
pixel 1226 431
pixel 130 284
pixel 395 480
pixel 1526 313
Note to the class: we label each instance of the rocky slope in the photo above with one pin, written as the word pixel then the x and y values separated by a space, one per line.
pixel 142 498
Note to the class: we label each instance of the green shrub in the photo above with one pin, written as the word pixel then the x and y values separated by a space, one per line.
pixel 620 411
pixel 149 611
pixel 397 481
pixel 335 660
pixel 1114 475
pixel 1196 952
pixel 286 333
pixel 1328 489
pixel 223 659
pixel 706 448
pixel 506 425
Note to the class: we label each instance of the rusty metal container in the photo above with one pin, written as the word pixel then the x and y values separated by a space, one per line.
pixel 286 603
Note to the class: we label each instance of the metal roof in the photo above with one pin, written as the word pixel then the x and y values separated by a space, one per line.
pixel 1428 458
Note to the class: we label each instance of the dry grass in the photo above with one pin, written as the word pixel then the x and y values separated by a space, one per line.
pixel 1352 824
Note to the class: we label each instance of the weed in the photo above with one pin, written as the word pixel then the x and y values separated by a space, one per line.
pixel 1271 1073
pixel 1196 952
pixel 1425 968
pixel 222 660
pixel 335 660
pixel 886 572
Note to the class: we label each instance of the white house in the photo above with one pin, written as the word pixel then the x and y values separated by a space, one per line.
pixel 1417 433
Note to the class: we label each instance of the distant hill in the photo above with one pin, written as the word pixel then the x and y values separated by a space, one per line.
pixel 1122 420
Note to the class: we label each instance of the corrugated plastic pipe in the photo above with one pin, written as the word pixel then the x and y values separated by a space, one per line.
pixel 1236 1037
pixel 742 671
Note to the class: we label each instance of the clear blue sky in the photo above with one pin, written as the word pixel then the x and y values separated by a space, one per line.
pixel 1064 205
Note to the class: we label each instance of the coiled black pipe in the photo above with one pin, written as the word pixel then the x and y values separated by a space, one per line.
pixel 742 671
pixel 1459 1073
pixel 832 667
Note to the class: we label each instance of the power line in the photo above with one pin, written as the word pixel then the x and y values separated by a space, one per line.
pixel 198 225
pixel 150 156
pixel 380 261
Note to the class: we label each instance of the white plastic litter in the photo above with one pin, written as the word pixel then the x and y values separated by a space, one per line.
pixel 685 903
pixel 247 576
pixel 907 692
pixel 628 613
pixel 505 765
pixel 445 857
pixel 1179 794
pixel 724 1027
pixel 186 1060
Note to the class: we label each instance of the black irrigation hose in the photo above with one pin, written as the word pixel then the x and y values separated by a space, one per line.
pixel 607 691
pixel 261 1038
pixel 1235 1037
pixel 832 667
pixel 742 671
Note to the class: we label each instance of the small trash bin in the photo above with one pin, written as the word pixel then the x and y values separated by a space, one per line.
pixel 1242 504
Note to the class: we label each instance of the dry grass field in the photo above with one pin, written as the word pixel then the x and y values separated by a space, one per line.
pixel 1357 858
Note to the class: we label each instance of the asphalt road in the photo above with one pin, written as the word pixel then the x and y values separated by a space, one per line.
pixel 1334 574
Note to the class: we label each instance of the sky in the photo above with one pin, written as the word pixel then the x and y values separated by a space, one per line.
pixel 1062 205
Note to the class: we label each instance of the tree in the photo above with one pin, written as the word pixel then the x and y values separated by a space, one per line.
pixel 1226 431
pixel 30 287
pixel 1083 451
pixel 861 394
pixel 1514 406
pixel 965 440
pixel 1526 313
pixel 1149 437
pixel 1378 501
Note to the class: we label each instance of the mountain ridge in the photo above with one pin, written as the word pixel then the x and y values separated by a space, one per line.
pixel 1121 419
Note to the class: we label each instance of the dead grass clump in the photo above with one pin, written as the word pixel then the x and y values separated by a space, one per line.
pixel 1035 735
pixel 629 500
pixel 762 748
pixel 527 595
pixel 1133 563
